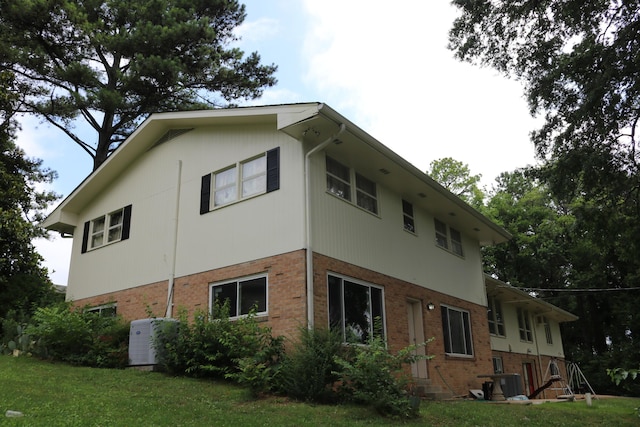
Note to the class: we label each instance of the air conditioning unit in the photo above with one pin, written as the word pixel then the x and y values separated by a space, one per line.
pixel 142 334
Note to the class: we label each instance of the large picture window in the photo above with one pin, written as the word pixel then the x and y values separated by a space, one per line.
pixel 242 296
pixel 340 181
pixel 456 325
pixel 355 309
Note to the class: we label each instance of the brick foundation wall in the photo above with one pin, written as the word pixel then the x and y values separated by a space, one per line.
pixel 287 309
pixel 286 292
pixel 458 373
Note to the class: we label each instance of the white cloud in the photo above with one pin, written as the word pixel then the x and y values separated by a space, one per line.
pixel 56 253
pixel 252 31
pixel 388 70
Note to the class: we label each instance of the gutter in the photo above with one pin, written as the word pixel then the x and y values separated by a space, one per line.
pixel 309 254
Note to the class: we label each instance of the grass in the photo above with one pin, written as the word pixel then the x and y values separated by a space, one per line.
pixel 60 395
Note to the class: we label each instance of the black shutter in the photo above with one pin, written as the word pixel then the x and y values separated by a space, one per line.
pixel 273 169
pixel 205 194
pixel 85 237
pixel 126 222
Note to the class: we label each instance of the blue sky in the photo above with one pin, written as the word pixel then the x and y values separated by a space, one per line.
pixel 383 65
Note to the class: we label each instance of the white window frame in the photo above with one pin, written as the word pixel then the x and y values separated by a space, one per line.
pixel 343 307
pixel 408 218
pixel 498 366
pixel 344 187
pixel 107 227
pixel 467 336
pixel 448 238
pixel 547 330
pixel 524 325
pixel 495 317
pixel 238 295
pixel 111 308
pixel 238 185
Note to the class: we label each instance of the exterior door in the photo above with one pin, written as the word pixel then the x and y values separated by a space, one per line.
pixel 416 336
pixel 529 383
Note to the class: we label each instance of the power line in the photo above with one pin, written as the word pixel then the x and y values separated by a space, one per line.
pixel 579 290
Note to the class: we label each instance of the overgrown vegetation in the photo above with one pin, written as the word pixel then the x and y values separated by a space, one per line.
pixel 78 337
pixel 318 368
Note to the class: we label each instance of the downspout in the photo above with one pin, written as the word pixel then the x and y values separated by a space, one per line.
pixel 307 183
pixel 174 244
pixel 535 337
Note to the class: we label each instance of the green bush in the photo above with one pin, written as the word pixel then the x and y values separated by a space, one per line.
pixel 375 377
pixel 309 367
pixel 239 349
pixel 79 337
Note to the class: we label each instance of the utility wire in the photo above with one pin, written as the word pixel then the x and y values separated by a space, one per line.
pixel 577 290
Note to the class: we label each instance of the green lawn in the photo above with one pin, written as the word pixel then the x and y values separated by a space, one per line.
pixel 59 395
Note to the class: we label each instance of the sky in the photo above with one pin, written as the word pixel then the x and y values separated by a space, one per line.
pixel 385 66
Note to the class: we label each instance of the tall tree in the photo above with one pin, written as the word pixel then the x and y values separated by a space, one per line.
pixel 456 177
pixel 579 62
pixel 112 62
pixel 580 66
pixel 23 280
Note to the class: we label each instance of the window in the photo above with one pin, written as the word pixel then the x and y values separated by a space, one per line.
pixel 241 295
pixel 338 179
pixel 497 365
pixel 366 194
pixel 448 238
pixel 355 309
pixel 258 175
pixel 547 329
pixel 456 326
pixel 106 310
pixel 110 228
pixel 339 183
pixel 224 187
pixel 407 214
pixel 524 325
pixel 494 314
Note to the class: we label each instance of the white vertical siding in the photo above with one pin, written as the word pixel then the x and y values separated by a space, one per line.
pixel 265 225
pixel 380 243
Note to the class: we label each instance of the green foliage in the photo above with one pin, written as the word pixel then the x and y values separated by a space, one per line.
pixel 79 337
pixel 309 369
pixel 112 64
pixel 23 280
pixel 375 377
pixel 219 347
pixel 578 62
pixel 456 177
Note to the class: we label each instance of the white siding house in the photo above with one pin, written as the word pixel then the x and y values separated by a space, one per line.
pixel 293 208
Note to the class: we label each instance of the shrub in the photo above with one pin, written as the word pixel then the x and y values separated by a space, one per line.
pixel 309 367
pixel 239 349
pixel 79 337
pixel 374 376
